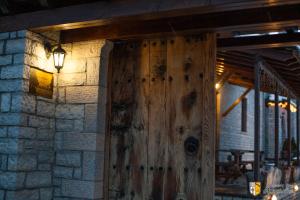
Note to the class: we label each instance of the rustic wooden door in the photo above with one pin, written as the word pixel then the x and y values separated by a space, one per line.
pixel 162 121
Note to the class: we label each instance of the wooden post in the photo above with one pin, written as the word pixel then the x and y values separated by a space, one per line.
pixel 218 125
pixel 276 129
pixel 289 131
pixel 257 123
pixel 298 133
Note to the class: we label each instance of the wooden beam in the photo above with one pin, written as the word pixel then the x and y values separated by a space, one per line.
pixel 298 132
pixel 236 102
pixel 276 128
pixel 258 42
pixel 140 26
pixel 256 168
pixel 289 159
pixel 223 79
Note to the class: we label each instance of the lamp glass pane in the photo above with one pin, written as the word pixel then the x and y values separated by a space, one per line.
pixel 61 59
pixel 56 59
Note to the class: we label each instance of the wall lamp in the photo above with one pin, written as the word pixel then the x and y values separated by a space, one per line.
pixel 283 104
pixel 58 54
pixel 59 57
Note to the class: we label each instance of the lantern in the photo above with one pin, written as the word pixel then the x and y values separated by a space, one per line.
pixel 59 57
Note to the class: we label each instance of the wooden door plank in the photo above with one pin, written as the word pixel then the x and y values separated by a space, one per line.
pixel 138 158
pixel 157 152
pixel 208 125
pixel 128 135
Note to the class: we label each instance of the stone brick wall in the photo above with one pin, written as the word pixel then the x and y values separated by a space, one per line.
pixel 79 142
pixel 52 148
pixel 27 132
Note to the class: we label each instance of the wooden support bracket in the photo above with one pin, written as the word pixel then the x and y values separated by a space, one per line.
pixel 236 102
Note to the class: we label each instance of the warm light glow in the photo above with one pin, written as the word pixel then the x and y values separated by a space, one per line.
pixel 283 104
pixel 272 197
pixel 217 86
pixel 296 188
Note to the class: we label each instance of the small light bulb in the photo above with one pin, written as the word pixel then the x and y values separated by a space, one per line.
pixel 296 188
pixel 217 86
pixel 273 197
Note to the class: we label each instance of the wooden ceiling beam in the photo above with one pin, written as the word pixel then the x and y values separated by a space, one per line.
pixel 259 42
pixel 250 19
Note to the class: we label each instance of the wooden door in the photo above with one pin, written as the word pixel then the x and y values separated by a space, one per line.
pixel 162 119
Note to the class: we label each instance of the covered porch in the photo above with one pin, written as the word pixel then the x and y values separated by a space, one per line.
pixel 257 134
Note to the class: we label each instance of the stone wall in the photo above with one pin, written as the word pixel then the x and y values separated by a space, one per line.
pixel 52 148
pixel 79 142
pixel 27 131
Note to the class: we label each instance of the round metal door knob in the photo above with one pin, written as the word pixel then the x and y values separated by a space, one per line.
pixel 191 146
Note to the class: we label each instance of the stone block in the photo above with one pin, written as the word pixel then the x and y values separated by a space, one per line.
pixel 63 172
pixel 78 125
pixel 45 134
pixel 44 167
pixel 82 94
pixel 21 132
pixel 6 60
pixel 1 47
pixel 3 162
pixel 11 85
pixel 12 180
pixel 12 119
pixel 71 79
pixel 86 49
pixel 46 193
pixel 93 71
pixel 62 95
pixel 12 34
pixel 23 103
pixel 64 125
pixel 45 157
pixel 5 102
pixel 3 132
pixel 38 122
pixel 15 72
pixel 81 189
pixel 68 159
pixel 22 195
pixel 21 34
pixel 15 46
pixel 19 59
pixel 93 164
pixel 91 120
pixel 4 35
pixel 67 111
pixel 77 173
pixel 22 162
pixel 38 179
pixel 45 109
pixel 9 146
pixel 72 65
pixel 38 145
pixel 83 141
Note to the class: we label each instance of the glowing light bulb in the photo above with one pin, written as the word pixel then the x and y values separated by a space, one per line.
pixel 217 86
pixel 296 188
pixel 273 197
